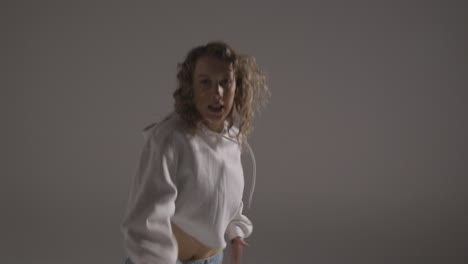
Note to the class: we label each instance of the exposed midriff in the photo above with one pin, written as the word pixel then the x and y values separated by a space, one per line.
pixel 189 247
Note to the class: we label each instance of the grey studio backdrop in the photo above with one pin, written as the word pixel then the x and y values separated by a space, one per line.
pixel 361 153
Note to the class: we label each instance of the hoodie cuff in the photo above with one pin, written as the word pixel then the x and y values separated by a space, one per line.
pixel 234 232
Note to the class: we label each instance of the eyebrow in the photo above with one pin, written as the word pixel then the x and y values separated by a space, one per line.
pixel 206 75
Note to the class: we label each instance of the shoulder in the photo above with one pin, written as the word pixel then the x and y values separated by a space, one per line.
pixel 233 132
pixel 165 130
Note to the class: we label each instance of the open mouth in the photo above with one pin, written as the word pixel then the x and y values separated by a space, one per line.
pixel 216 108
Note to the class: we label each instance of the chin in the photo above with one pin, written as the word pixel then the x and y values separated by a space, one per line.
pixel 215 120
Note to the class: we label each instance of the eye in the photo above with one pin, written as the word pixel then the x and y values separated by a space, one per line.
pixel 205 81
pixel 226 82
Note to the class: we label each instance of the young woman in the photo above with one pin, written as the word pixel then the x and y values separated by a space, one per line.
pixel 187 193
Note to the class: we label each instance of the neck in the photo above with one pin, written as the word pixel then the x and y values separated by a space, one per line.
pixel 218 127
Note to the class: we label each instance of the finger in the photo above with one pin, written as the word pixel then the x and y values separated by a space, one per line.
pixel 236 253
pixel 235 258
pixel 235 261
pixel 241 241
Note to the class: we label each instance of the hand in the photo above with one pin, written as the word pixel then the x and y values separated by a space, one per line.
pixel 236 249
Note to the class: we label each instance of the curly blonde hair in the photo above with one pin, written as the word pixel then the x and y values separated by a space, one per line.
pixel 252 93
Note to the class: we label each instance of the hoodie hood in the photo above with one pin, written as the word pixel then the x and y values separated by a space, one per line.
pixel 149 129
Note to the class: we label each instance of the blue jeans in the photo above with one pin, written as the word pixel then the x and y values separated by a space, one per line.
pixel 215 259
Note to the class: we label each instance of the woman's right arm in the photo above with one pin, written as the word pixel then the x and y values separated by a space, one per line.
pixel 147 227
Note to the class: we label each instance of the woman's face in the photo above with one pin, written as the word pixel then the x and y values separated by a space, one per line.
pixel 214 88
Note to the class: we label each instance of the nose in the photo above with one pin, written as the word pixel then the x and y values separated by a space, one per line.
pixel 218 90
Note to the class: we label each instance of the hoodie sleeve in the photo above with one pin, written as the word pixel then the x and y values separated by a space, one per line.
pixel 240 225
pixel 147 230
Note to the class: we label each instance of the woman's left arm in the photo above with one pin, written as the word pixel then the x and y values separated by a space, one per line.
pixel 239 228
pixel 240 225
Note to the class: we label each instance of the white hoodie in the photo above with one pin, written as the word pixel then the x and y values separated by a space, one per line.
pixel 194 180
